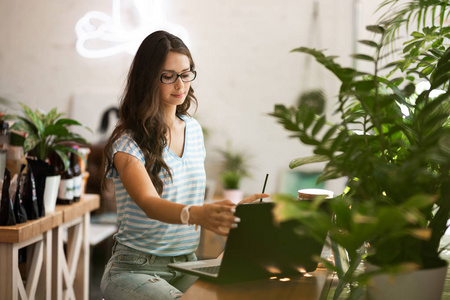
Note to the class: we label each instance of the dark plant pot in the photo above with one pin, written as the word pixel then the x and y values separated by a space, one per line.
pixel 41 170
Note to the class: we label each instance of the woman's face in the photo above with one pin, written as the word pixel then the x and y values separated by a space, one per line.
pixel 174 93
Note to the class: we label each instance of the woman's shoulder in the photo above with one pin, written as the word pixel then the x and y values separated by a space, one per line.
pixel 124 138
pixel 190 121
pixel 126 143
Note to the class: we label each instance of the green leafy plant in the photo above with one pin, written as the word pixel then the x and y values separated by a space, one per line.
pixel 235 167
pixel 47 133
pixel 392 143
pixel 313 98
pixel 230 180
pixel 416 13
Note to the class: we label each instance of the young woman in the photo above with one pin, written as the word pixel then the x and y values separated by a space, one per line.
pixel 155 158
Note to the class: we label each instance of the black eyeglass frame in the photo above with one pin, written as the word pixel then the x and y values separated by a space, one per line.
pixel 178 75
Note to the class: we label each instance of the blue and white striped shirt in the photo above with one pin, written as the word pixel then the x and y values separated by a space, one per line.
pixel 136 229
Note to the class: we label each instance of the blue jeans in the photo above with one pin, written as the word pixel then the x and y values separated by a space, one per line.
pixel 132 274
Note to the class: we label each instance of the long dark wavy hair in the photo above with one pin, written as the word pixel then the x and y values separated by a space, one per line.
pixel 140 109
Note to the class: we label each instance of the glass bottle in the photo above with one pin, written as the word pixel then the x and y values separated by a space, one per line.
pixel 76 173
pixel 4 143
pixel 65 194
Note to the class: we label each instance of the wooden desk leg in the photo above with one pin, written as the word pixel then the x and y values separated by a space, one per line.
pixel 81 281
pixel 57 257
pixel 44 288
pixel 10 277
pixel 48 264
pixel 10 268
pixel 72 266
pixel 63 259
pixel 34 272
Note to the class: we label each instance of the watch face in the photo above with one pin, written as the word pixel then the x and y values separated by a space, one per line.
pixel 185 215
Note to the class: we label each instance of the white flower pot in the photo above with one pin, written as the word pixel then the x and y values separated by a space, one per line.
pixel 51 192
pixel 234 195
pixel 417 285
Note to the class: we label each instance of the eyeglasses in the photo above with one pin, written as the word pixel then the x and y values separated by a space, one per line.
pixel 171 77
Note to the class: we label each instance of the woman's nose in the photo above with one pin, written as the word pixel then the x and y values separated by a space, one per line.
pixel 179 83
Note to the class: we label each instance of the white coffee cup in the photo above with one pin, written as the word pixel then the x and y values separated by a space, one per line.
pixel 310 194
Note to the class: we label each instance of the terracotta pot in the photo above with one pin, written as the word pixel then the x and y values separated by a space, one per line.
pixel 417 285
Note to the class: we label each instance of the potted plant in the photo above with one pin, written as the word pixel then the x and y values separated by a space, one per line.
pixel 392 143
pixel 47 135
pixel 234 168
pixel 314 98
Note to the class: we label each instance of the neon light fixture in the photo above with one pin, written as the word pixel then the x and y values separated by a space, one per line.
pixel 102 35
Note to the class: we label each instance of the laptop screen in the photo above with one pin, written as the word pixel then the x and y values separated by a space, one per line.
pixel 260 248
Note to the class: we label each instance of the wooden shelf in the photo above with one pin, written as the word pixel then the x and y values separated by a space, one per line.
pixel 49 274
pixel 62 214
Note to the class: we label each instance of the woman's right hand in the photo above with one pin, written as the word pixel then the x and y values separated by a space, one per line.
pixel 217 217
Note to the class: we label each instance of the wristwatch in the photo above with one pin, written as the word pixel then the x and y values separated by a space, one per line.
pixel 185 216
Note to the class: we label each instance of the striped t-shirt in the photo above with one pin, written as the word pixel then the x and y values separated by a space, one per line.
pixel 136 229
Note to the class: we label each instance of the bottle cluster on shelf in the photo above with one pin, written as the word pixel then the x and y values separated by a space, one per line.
pixel 71 183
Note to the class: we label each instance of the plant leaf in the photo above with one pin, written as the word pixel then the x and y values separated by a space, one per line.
pixel 363 57
pixel 375 29
pixel 309 117
pixel 31 141
pixel 307 160
pixel 319 125
pixel 369 43
pixel 420 201
pixel 34 119
pixel 56 130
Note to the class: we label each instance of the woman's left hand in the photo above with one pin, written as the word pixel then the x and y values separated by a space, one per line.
pixel 254 197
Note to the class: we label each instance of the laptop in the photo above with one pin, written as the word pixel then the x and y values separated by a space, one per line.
pixel 258 248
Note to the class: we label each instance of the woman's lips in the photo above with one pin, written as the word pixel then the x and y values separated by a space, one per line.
pixel 178 95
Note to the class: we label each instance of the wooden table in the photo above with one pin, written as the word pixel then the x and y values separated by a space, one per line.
pixel 49 275
pixel 314 287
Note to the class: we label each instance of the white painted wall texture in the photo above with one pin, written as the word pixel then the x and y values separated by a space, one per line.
pixel 241 49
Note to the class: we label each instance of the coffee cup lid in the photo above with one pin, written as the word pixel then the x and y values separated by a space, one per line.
pixel 310 194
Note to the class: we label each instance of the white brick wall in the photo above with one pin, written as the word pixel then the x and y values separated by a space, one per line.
pixel 241 48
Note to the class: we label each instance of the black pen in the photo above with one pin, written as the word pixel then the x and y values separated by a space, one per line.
pixel 264 187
